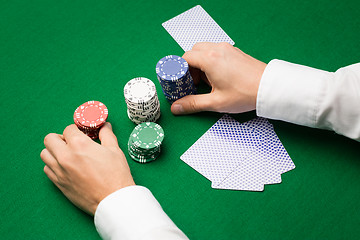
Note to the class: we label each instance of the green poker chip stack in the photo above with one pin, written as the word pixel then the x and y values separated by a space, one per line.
pixel 145 142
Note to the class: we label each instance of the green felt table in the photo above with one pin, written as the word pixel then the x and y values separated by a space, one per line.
pixel 55 55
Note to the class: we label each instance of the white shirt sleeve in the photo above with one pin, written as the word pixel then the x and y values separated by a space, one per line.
pixel 312 97
pixel 133 213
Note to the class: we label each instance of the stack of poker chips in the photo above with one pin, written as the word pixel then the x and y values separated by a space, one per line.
pixel 90 117
pixel 145 142
pixel 174 77
pixel 142 100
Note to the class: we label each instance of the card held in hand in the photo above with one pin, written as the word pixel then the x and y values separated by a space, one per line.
pixel 193 26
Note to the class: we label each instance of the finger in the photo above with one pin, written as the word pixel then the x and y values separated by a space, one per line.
pixel 195 74
pixel 62 137
pixel 192 104
pixel 195 59
pixel 72 131
pixel 51 175
pixel 204 78
pixel 49 160
pixel 55 144
pixel 107 136
pixel 203 46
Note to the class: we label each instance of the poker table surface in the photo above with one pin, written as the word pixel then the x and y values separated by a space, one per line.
pixel 56 55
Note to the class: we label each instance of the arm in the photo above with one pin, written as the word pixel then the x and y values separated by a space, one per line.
pixel 97 179
pixel 312 97
pixel 279 90
pixel 134 213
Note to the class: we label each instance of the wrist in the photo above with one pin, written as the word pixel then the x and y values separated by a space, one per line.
pixel 259 73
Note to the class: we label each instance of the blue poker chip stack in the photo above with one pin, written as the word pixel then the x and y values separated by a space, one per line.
pixel 174 77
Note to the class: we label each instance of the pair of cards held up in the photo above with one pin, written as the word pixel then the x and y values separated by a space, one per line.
pixel 239 156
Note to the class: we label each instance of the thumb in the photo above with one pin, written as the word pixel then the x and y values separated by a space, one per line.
pixel 192 104
pixel 107 136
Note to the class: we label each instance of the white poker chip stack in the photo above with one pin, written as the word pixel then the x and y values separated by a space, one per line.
pixel 142 100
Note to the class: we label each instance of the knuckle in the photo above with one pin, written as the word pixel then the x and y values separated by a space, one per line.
pixel 65 157
pixel 65 163
pixel 60 179
pixel 225 45
pixel 218 103
pixel 66 129
pixel 213 55
pixel 48 137
pixel 80 140
pixel 72 159
pixel 68 158
pixel 193 105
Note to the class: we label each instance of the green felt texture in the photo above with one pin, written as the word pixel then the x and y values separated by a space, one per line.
pixel 55 55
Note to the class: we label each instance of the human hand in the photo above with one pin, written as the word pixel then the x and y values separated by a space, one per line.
pixel 233 75
pixel 85 171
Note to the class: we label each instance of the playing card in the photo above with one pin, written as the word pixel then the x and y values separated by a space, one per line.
pixel 195 25
pixel 248 176
pixel 268 150
pixel 276 148
pixel 239 156
pixel 220 150
pixel 260 168
pixel 286 164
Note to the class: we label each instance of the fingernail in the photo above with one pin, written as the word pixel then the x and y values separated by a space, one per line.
pixel 178 108
pixel 109 124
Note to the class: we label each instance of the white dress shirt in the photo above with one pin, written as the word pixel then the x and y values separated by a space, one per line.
pixel 312 97
pixel 288 92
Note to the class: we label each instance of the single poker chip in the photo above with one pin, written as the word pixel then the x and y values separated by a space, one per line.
pixel 139 90
pixel 139 154
pixel 147 135
pixel 142 160
pixel 92 114
pixel 140 119
pixel 144 114
pixel 145 110
pixel 171 68
pixel 143 100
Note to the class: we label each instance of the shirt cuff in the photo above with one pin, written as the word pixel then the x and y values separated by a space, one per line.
pixel 133 213
pixel 291 92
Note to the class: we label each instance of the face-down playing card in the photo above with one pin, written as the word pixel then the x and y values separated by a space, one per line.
pixel 220 150
pixel 274 146
pixel 239 156
pixel 267 151
pixel 258 168
pixel 248 175
pixel 193 26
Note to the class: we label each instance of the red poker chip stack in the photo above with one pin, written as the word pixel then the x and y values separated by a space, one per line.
pixel 90 117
